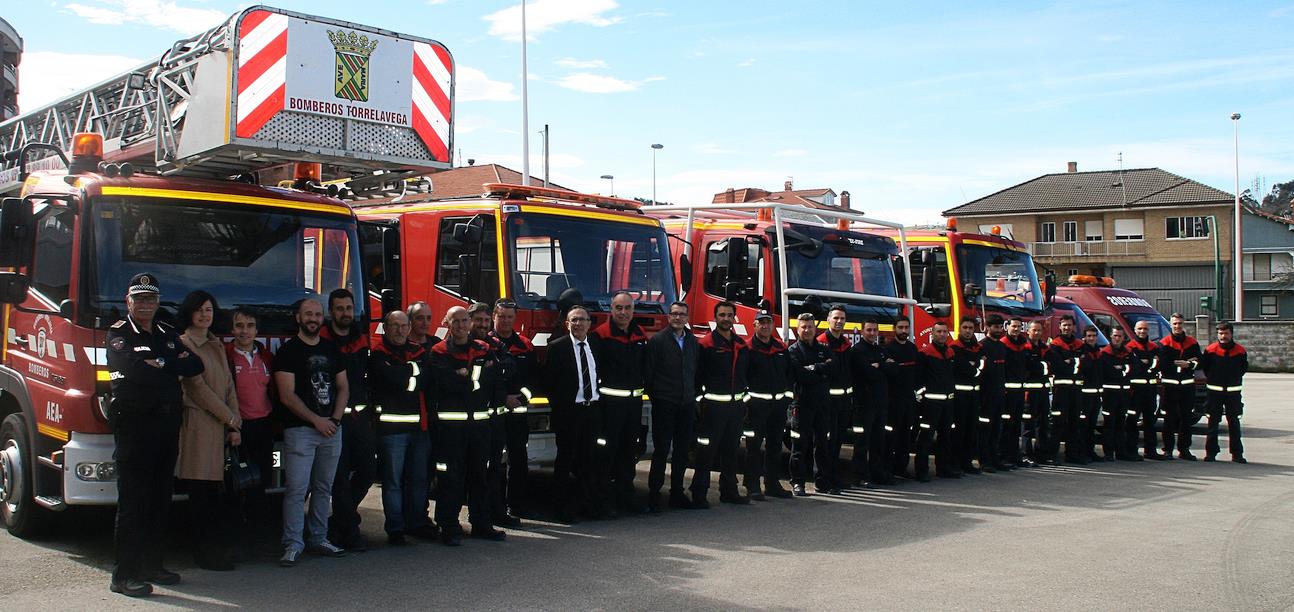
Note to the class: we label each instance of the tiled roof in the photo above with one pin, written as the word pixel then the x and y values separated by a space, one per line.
pixel 464 182
pixel 1140 187
pixel 798 197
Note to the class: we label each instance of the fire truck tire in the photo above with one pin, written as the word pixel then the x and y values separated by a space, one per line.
pixel 20 513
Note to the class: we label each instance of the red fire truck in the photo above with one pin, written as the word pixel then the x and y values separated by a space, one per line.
pixel 808 258
pixel 546 249
pixel 162 178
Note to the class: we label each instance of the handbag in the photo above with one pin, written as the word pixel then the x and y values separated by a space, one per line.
pixel 240 474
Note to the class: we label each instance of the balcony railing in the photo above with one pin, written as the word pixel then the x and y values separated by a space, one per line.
pixel 1092 248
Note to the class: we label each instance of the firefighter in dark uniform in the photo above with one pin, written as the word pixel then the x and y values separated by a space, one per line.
pixel 1179 355
pixel 872 369
pixel 1224 363
pixel 464 376
pixel 993 394
pixel 840 393
pixel 1037 416
pixel 811 364
pixel 938 392
pixel 721 378
pixel 968 364
pixel 496 472
pixel 1144 379
pixel 623 363
pixel 357 465
pixel 1120 419
pixel 1089 396
pixel 769 380
pixel 145 363
pixel 1062 356
pixel 516 406
pixel 1017 370
pixel 901 416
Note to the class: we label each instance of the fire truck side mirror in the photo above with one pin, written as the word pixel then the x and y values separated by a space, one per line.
pixel 735 286
pixel 1050 280
pixel 685 273
pixel 971 291
pixel 17 233
pixel 467 233
pixel 390 301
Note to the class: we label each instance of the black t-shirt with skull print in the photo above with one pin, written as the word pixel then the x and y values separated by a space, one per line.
pixel 315 368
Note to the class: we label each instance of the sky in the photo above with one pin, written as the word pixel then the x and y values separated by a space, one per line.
pixel 911 107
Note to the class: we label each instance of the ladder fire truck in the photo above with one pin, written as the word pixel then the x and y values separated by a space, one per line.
pixel 156 170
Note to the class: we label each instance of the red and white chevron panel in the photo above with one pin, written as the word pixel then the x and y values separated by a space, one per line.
pixel 431 110
pixel 262 69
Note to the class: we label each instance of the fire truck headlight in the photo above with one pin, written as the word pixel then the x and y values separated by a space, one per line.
pixel 93 472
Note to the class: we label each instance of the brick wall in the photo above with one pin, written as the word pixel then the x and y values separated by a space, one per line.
pixel 1270 344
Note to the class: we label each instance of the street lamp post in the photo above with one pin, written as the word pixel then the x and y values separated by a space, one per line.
pixel 654 149
pixel 613 183
pixel 1238 257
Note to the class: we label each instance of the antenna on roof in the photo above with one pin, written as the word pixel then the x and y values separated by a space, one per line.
pixel 1122 186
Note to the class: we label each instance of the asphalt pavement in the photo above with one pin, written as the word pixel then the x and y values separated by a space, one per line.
pixel 1107 536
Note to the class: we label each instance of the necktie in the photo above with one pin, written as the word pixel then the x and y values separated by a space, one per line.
pixel 586 383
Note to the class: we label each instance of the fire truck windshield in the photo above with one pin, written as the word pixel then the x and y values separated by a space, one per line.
pixel 258 258
pixel 840 266
pixel 551 253
pixel 1008 278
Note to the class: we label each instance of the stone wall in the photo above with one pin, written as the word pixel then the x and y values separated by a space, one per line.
pixel 1270 344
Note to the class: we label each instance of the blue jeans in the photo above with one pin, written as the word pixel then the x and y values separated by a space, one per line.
pixel 309 465
pixel 403 459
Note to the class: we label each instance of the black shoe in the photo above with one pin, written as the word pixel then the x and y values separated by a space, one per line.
pixel 488 533
pixel 866 484
pixel 213 562
pixel 778 492
pixel 699 502
pixel 755 493
pixel 1186 455
pixel 798 490
pixel 450 539
pixel 161 576
pixel 507 520
pixel 885 480
pixel 1241 459
pixel 988 469
pixel 355 543
pixel 653 503
pixel 396 539
pixel 1005 466
pixel 564 515
pixel 1210 458
pixel 679 501
pixel 131 587
pixel 1156 456
pixel 426 532
pixel 970 469
pixel 734 498
pixel 1029 463
pixel 923 477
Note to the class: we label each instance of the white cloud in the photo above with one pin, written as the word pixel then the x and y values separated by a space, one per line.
pixel 155 13
pixel 570 62
pixel 746 63
pixel 791 153
pixel 597 83
pixel 545 15
pixel 47 76
pixel 473 85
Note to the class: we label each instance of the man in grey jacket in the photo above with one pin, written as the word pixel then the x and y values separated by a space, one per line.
pixel 670 380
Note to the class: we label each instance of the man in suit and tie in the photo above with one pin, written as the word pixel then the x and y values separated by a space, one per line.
pixel 573 393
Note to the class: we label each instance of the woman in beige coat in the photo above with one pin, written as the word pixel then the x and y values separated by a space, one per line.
pixel 210 420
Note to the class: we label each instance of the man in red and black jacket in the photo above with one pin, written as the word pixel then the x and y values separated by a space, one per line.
pixel 721 380
pixel 516 405
pixel 623 362
pixel 1224 363
pixel 496 474
pixel 1179 355
pixel 840 390
pixel 1089 397
pixel 770 394
pixel 1016 373
pixel 398 375
pixel 968 364
pixel 1144 379
pixel 464 373
pixel 872 369
pixel 811 364
pixel 901 416
pixel 357 465
pixel 1037 389
pixel 1120 418
pixel 993 392
pixel 938 379
pixel 1062 357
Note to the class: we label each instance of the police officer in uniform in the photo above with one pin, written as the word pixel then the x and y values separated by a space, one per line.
pixel 1179 355
pixel 145 363
pixel 1224 363
pixel 1145 389
pixel 770 394
pixel 357 466
pixel 811 365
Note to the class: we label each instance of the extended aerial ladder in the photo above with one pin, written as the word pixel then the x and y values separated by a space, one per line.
pixel 265 88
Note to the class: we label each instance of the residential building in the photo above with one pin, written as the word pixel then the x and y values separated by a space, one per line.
pixel 10 57
pixel 824 199
pixel 461 182
pixel 1162 235
pixel 1268 266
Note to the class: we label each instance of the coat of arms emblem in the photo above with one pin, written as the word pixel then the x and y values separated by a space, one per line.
pixel 353 54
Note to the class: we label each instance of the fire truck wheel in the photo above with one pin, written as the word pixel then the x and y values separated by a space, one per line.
pixel 19 511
